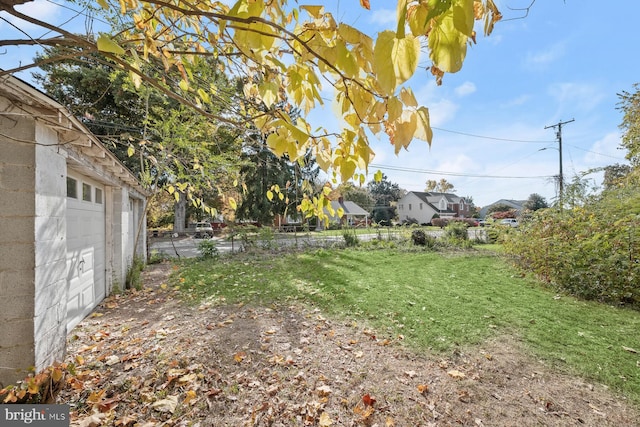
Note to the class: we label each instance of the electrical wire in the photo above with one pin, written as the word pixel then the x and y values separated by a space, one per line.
pixel 435 172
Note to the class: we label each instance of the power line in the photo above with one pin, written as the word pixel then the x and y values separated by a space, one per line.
pixel 491 137
pixel 435 172
pixel 593 152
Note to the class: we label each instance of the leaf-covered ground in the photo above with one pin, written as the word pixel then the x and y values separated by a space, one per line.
pixel 147 359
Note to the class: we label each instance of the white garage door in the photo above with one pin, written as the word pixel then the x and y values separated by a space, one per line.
pixel 85 247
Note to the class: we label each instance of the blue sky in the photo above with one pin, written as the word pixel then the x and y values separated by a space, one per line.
pixel 565 60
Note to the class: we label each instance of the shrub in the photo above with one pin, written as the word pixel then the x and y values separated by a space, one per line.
pixel 456 230
pixel 591 252
pixel 439 222
pixel 208 249
pixel 350 238
pixel 420 238
pixel 134 272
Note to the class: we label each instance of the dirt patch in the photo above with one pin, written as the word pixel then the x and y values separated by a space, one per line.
pixel 145 358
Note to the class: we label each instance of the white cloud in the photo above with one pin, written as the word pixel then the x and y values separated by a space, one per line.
pixel 605 150
pixel 585 97
pixel 39 9
pixel 515 102
pixel 544 58
pixel 466 88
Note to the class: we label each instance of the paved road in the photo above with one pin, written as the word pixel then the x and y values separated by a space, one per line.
pixel 187 247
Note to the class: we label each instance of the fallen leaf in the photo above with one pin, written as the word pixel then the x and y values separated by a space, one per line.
pixel 324 390
pixel 191 395
pixel 629 349
pixel 368 400
pixel 410 374
pixel 166 405
pixel 325 420
pixel 456 374
pixel 239 356
pixel 125 421
pixel 94 420
pixel 112 360
pixel 423 388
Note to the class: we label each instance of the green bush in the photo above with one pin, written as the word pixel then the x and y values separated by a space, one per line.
pixel 134 273
pixel 350 238
pixel 208 249
pixel 591 251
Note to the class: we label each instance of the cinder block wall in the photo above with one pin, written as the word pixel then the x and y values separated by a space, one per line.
pixel 51 290
pixel 17 244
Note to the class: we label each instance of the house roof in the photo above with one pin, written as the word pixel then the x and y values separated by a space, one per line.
pixel 29 101
pixel 432 198
pixel 350 208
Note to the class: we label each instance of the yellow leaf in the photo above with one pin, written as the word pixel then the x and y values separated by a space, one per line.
pixel 418 20
pixel 232 203
pixel 280 196
pixel 184 85
pixel 103 4
pixel 190 396
pixel 269 93
pixel 204 96
pixel 401 13
pixel 325 420
pixel 378 176
pixel 345 60
pixel 405 130
pixel 314 11
pixel 106 44
pixel 463 16
pixel 33 387
pixel 347 169
pixel 270 195
pixel 408 98
pixel 382 64
pixel 447 45
pixel 423 128
pixel 340 212
pixel 56 374
pixel 406 55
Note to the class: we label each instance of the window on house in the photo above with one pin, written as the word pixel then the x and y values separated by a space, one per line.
pixel 86 192
pixel 98 196
pixel 409 206
pixel 72 188
pixel 420 206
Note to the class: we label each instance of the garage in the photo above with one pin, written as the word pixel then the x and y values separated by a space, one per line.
pixel 70 214
pixel 85 247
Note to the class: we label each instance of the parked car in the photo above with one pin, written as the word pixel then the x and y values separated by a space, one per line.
pixel 203 230
pixel 511 222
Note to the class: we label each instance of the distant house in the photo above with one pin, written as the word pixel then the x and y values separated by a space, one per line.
pixel 351 213
pixel 423 206
pixel 517 205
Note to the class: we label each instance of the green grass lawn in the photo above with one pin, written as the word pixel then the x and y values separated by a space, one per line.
pixel 438 302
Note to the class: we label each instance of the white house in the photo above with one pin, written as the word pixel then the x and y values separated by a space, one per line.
pixel 70 217
pixel 422 206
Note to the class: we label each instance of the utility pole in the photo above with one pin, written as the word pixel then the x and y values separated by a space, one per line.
pixel 560 177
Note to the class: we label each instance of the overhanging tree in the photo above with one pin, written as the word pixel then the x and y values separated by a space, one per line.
pixel 283 52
